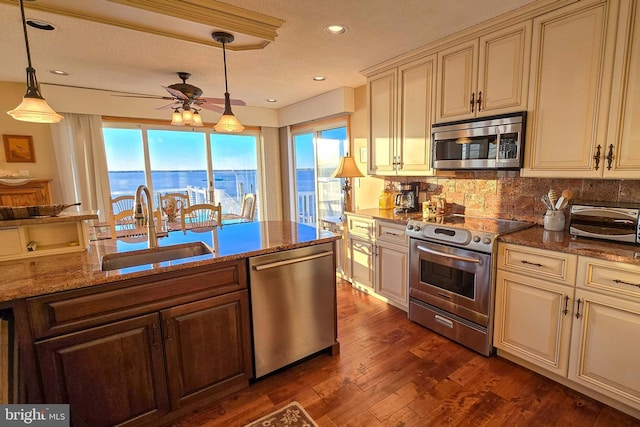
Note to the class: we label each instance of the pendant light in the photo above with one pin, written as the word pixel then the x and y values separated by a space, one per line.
pixel 33 107
pixel 228 122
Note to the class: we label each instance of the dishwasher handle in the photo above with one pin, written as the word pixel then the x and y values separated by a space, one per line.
pixel 290 261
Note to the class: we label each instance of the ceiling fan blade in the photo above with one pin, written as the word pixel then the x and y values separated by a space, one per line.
pixel 173 105
pixel 143 96
pixel 176 93
pixel 212 107
pixel 221 101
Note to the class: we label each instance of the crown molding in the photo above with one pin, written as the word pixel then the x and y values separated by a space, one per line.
pixel 253 30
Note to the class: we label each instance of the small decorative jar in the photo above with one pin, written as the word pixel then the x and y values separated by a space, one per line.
pixel 554 220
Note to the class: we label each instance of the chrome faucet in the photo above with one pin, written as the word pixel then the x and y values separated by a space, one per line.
pixel 140 217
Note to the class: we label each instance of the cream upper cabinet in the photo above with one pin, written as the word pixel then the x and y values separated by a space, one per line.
pixel 484 76
pixel 401 111
pixel 621 156
pixel 569 93
pixel 381 99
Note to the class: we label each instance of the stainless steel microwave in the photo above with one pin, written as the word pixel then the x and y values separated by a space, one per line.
pixel 494 142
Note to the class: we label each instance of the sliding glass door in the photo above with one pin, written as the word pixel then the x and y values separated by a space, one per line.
pixel 317 153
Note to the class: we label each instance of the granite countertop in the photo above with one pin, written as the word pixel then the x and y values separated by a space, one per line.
pixel 62 217
pixel 562 241
pixel 387 215
pixel 55 273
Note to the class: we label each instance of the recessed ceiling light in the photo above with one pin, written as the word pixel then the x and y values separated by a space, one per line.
pixel 319 78
pixel 40 25
pixel 335 30
pixel 271 100
pixel 59 72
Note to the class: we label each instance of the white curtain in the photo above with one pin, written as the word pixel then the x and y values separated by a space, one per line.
pixel 82 162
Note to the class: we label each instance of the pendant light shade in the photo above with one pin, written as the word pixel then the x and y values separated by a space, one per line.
pixel 33 107
pixel 197 119
pixel 228 123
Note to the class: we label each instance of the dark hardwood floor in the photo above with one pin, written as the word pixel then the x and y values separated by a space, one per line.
pixel 393 372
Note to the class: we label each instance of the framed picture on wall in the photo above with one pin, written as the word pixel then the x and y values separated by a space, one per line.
pixel 19 148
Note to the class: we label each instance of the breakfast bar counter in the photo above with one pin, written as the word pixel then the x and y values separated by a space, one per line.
pixel 55 273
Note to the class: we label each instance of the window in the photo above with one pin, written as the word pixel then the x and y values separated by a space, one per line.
pixel 209 167
pixel 317 153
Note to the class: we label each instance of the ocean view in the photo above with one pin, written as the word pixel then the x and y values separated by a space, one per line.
pixel 231 182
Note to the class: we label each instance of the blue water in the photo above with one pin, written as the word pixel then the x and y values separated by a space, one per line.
pixel 232 182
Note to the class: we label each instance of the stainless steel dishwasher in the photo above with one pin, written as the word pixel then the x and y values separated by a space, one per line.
pixel 293 305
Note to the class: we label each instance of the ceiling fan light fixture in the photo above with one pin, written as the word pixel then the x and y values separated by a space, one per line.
pixel 228 123
pixel 33 107
pixel 197 119
pixel 176 119
pixel 187 117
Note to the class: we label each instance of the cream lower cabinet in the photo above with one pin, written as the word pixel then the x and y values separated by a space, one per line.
pixel 534 290
pixel 585 335
pixel 570 90
pixel 605 348
pixel 533 320
pixel 392 264
pixel 378 258
pixel 336 227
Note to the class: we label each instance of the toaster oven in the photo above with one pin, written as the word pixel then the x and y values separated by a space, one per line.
pixel 599 220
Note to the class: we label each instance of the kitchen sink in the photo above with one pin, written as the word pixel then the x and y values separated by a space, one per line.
pixel 154 255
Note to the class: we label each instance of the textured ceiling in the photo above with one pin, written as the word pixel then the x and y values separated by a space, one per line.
pixel 106 57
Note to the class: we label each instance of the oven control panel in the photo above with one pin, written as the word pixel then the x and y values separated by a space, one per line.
pixel 470 239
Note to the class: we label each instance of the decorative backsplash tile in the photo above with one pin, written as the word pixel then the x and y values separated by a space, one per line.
pixel 504 194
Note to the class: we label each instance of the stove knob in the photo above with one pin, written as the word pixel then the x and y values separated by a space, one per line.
pixel 476 239
pixel 486 240
pixel 409 227
pixel 417 228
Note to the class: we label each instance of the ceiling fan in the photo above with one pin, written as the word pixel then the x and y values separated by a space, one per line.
pixel 188 96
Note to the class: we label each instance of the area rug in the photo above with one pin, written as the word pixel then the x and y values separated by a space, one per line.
pixel 292 415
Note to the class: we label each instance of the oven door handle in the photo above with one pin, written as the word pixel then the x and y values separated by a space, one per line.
pixel 456 257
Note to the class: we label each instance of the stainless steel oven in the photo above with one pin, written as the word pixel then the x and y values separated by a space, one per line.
pixel 451 283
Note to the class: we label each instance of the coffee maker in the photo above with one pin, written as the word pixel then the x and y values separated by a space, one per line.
pixel 406 199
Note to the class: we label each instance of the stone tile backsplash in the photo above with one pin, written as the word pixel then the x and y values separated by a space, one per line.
pixel 504 194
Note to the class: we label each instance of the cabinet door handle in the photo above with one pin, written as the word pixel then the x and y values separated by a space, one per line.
pixel 535 264
pixel 391 234
pixel 596 157
pixel 566 305
pixel 154 334
pixel 610 157
pixel 578 315
pixel 472 102
pixel 479 102
pixel 622 282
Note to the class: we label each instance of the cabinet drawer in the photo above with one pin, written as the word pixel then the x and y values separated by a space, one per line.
pixel 392 233
pixel 74 310
pixel 362 227
pixel 557 266
pixel 608 276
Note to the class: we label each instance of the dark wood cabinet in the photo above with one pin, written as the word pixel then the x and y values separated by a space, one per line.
pixel 207 348
pixel 112 374
pixel 144 352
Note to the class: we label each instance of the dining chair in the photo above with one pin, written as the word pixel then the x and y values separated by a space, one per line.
pixel 121 218
pixel 201 217
pixel 172 204
pixel 247 210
